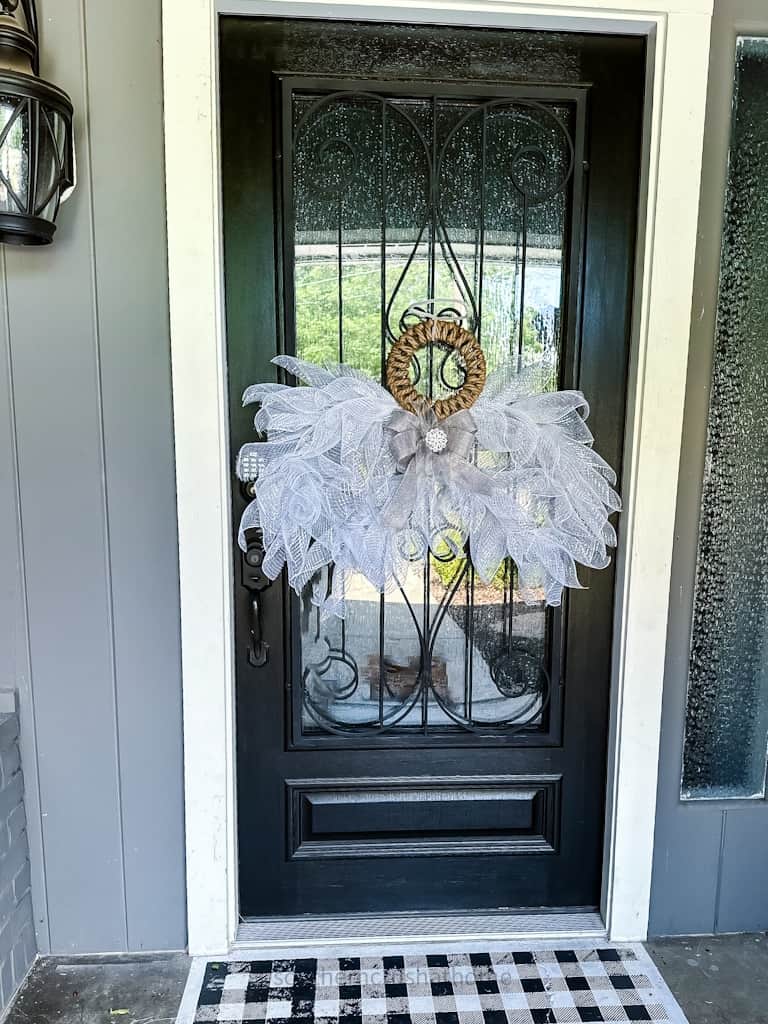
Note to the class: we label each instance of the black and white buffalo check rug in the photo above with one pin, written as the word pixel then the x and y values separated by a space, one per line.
pixel 533 986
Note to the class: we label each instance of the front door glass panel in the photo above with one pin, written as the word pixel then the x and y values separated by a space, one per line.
pixel 467 202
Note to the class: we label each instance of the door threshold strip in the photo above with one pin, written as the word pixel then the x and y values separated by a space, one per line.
pixel 264 933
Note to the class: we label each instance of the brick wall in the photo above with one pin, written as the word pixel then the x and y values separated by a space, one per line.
pixel 17 932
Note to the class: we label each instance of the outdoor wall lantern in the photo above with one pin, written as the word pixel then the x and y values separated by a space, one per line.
pixel 37 161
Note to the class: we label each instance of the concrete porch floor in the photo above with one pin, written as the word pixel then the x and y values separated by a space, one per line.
pixel 721 980
pixel 717 980
pixel 102 990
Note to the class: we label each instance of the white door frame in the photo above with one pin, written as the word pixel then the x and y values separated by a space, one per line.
pixel 678 32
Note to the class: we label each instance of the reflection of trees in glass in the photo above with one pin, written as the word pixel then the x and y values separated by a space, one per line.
pixel 317 310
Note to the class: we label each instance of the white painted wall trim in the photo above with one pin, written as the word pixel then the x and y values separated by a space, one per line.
pixel 654 432
pixel 202 468
pixel 679 30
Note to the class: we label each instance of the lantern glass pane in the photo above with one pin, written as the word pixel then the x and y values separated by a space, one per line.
pixel 14 154
pixel 52 133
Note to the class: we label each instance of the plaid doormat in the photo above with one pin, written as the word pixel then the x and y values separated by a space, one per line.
pixel 538 986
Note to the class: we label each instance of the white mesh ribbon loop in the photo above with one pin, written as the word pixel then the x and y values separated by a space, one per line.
pixel 347 479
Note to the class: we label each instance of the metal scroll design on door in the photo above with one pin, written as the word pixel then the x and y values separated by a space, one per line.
pixel 404 693
pixel 426 190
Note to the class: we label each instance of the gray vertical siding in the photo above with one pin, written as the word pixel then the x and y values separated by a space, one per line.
pixel 12 630
pixel 129 208
pixel 710 863
pixel 86 331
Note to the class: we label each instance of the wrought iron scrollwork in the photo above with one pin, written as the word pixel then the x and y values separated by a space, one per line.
pixel 356 155
pixel 415 692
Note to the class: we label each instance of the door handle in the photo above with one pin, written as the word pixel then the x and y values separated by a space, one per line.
pixel 254 580
pixel 258 649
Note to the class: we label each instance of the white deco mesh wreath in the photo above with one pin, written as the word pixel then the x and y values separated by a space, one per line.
pixel 367 480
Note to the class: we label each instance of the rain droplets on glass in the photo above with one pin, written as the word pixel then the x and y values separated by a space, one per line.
pixel 394 198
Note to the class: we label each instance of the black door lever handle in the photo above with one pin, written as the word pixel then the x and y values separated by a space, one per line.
pixel 254 580
pixel 258 649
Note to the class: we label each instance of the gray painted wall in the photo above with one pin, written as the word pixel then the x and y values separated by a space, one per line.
pixel 89 606
pixel 711 858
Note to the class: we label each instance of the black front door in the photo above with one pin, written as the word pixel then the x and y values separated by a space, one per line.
pixel 366 168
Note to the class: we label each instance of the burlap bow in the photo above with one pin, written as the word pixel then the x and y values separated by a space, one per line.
pixel 421 467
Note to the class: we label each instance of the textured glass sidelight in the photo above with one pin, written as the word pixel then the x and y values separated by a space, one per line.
pixel 396 200
pixel 727 711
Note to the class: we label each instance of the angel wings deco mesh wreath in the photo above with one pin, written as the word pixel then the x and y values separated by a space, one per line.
pixel 354 477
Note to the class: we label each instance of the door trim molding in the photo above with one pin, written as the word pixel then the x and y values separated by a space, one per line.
pixel 678 34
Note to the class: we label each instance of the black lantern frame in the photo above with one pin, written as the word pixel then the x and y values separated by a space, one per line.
pixel 37 161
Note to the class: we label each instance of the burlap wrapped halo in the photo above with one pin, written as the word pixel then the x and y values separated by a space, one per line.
pixel 440 332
